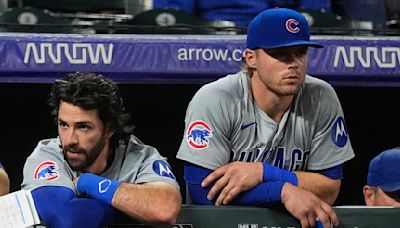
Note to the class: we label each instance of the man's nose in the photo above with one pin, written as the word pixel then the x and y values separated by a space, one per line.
pixel 71 137
pixel 294 60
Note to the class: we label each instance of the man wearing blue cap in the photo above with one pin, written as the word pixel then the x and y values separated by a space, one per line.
pixel 383 183
pixel 269 133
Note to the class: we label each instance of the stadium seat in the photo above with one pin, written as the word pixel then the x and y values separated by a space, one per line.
pixel 72 6
pixel 324 22
pixel 363 15
pixel 322 19
pixel 393 14
pixel 32 20
pixel 88 16
pixel 167 21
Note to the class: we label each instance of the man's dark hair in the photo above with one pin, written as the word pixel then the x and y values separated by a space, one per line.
pixel 91 91
pixel 394 195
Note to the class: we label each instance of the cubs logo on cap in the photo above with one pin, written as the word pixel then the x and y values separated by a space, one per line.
pixel 47 170
pixel 198 134
pixel 278 27
pixel 292 25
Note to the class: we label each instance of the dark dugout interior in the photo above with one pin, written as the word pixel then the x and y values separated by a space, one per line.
pixel 158 112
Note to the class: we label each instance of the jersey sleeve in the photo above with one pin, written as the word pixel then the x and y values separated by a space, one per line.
pixel 331 144
pixel 206 137
pixel 45 167
pixel 154 167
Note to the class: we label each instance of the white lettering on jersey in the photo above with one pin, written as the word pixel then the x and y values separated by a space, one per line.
pixel 277 157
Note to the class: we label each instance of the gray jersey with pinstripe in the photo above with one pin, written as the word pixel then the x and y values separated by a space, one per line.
pixel 223 124
pixel 134 162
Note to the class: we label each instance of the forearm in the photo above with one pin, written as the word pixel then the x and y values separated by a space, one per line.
pixel 59 207
pixel 4 183
pixel 324 187
pixel 262 194
pixel 269 192
pixel 153 202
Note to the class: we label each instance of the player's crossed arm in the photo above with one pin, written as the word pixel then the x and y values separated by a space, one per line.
pixel 249 178
pixel 324 187
pixel 60 207
pixel 232 179
pixel 156 202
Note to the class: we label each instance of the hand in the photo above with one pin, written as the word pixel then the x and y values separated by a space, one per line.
pixel 75 181
pixel 306 207
pixel 232 179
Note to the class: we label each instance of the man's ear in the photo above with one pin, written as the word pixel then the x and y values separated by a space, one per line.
pixel 369 195
pixel 109 132
pixel 250 56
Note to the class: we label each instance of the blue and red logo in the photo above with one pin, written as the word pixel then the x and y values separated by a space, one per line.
pixel 292 25
pixel 47 170
pixel 198 134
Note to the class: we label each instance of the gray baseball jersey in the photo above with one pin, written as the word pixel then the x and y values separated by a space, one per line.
pixel 224 124
pixel 133 163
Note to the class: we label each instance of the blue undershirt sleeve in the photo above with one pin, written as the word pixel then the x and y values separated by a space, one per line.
pixel 335 172
pixel 268 192
pixel 59 207
pixel 264 193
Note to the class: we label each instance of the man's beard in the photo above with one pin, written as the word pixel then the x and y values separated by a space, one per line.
pixel 89 157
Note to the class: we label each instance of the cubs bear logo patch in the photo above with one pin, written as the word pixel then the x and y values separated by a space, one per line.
pixel 47 170
pixel 198 134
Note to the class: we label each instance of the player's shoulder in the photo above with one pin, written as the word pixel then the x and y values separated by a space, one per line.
pixel 228 88
pixel 47 152
pixel 318 92
pixel 137 147
pixel 47 146
pixel 314 82
pixel 317 87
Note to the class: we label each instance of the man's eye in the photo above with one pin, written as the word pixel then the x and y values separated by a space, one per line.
pixel 62 125
pixel 83 127
pixel 301 52
pixel 278 55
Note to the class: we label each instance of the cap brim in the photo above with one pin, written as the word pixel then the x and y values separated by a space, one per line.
pixel 390 187
pixel 294 43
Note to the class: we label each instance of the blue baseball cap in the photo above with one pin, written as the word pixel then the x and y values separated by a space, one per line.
pixel 384 170
pixel 278 27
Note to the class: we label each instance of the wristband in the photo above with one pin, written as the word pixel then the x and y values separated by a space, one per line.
pixel 272 173
pixel 97 187
pixel 264 193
